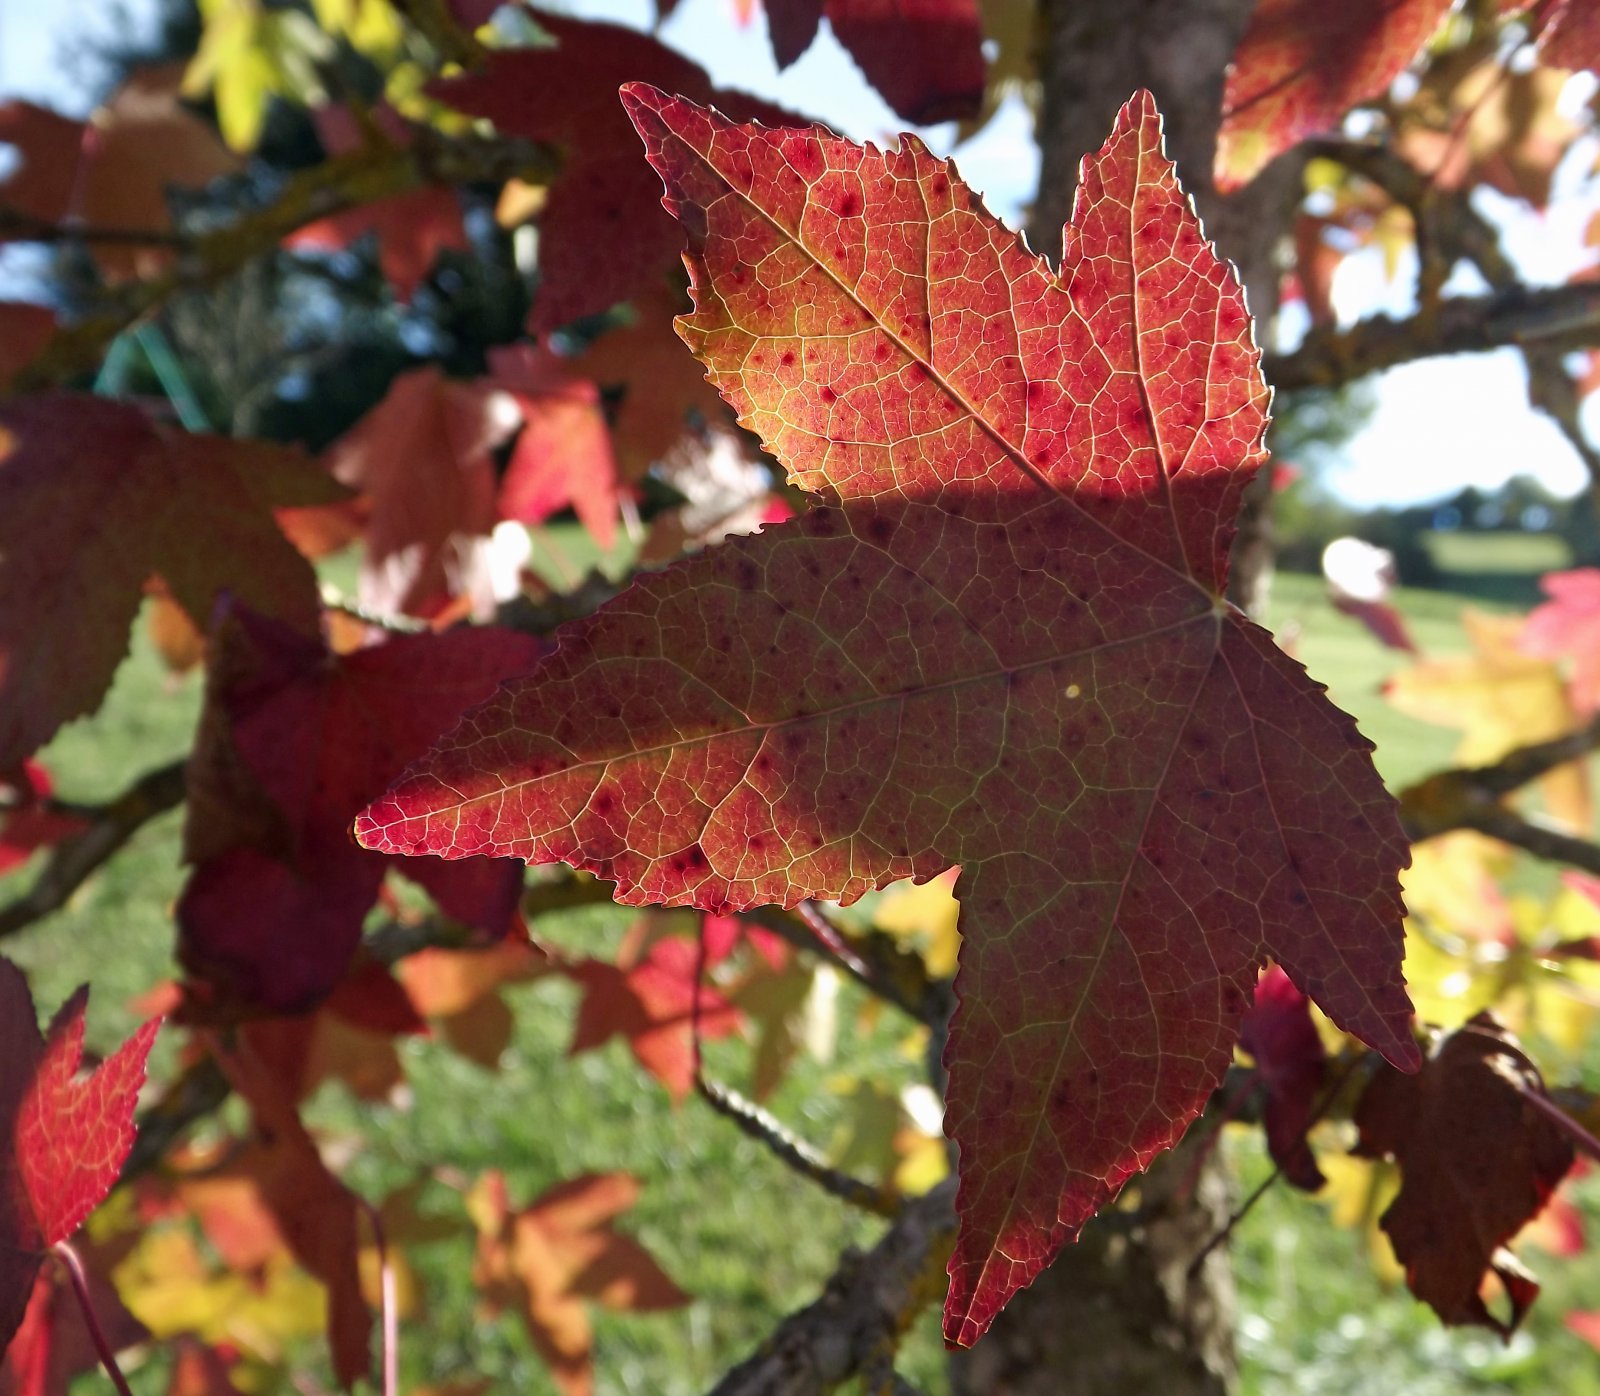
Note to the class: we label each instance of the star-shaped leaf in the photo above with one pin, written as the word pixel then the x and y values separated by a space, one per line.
pixel 1568 626
pixel 999 641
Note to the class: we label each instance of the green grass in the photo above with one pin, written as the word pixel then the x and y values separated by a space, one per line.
pixel 737 1230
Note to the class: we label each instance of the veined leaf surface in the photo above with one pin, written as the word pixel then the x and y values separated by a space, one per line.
pixel 998 642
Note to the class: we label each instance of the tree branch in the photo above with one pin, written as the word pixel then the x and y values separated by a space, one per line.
pixel 1558 318
pixel 343 182
pixel 857 1321
pixel 1469 797
pixel 111 826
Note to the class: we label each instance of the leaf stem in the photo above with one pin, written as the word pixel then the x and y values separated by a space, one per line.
pixel 1563 1121
pixel 388 1300
pixel 80 1287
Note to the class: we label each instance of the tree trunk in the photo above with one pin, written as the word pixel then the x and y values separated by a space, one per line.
pixel 1118 1311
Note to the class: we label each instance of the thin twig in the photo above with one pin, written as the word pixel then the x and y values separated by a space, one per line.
pixel 1218 1237
pixel 764 1128
pixel 17 226
pixel 111 826
pixel 91 1320
pixel 794 1153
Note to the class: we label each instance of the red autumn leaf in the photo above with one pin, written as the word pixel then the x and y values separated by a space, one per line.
pixel 925 57
pixel 548 1260
pixel 459 991
pixel 1302 64
pixel 1278 1032
pixel 27 823
pixel 1568 626
pixel 98 498
pixel 306 1209
pixel 412 229
pixel 114 170
pixel 1568 33
pixel 998 642
pixel 1586 1324
pixel 602 234
pixel 563 454
pixel 1477 1160
pixel 649 999
pixel 294 741
pixel 73 1132
pixel 655 384
pixel 422 458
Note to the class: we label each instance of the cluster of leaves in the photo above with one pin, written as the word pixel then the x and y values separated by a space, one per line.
pixel 993 655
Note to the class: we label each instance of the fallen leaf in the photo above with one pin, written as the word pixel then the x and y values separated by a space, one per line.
pixel 1477 1162
pixel 998 641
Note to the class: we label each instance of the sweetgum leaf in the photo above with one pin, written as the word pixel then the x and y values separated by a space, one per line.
pixel 1478 1162
pixel 1278 1032
pixel 98 498
pixel 999 642
pixel 1302 64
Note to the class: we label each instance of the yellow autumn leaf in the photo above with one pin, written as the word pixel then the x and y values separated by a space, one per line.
pixel 249 54
pixel 1499 699
pixel 170 1288
pixel 924 918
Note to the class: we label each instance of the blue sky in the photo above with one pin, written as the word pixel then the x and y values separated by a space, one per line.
pixel 1436 426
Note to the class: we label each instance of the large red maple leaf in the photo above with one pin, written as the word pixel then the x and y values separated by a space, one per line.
pixel 1001 641
pixel 97 498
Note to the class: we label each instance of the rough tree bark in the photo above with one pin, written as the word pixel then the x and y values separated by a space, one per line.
pixel 1119 1311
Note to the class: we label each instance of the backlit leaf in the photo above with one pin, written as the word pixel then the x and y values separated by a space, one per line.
pixel 1567 626
pixel 1303 64
pixel 999 641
